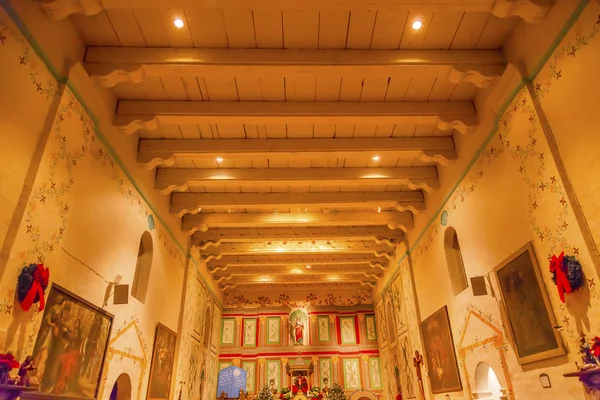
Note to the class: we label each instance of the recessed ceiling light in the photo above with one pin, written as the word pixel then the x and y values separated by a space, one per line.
pixel 178 23
pixel 308 266
pixel 219 159
pixel 375 158
pixel 417 25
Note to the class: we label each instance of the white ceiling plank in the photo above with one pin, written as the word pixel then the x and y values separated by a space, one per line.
pixel 530 10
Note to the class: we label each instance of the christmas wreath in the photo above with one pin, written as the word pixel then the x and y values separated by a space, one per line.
pixel 567 274
pixel 31 286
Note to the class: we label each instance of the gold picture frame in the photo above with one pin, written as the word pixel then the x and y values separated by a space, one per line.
pixel 523 297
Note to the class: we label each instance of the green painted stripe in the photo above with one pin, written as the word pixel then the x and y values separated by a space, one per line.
pixel 65 80
pixel 513 94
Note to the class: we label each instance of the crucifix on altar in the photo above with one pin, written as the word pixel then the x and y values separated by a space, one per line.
pixel 300 375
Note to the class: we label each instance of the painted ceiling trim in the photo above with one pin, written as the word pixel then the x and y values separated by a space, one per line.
pixel 65 80
pixel 510 98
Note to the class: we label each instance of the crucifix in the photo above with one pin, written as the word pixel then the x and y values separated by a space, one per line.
pixel 418 361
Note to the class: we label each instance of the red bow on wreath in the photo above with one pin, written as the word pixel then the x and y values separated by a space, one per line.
pixel 41 275
pixel 562 282
pixel 8 361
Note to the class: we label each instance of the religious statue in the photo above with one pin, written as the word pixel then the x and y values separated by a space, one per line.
pixel 418 361
pixel 585 350
pixel 298 331
pixel 25 371
pixel 223 395
pixel 325 388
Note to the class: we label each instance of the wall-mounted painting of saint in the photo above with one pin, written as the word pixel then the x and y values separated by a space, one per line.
pixel 163 356
pixel 439 349
pixel 526 310
pixel 71 345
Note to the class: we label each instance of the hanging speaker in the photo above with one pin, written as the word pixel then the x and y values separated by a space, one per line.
pixel 478 286
pixel 121 294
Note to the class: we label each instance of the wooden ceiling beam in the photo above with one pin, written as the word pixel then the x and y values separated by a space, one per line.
pixel 355 247
pixel 366 285
pixel 190 203
pixel 181 179
pixel 391 219
pixel 218 236
pixel 155 152
pixel 133 115
pixel 301 260
pixel 113 65
pixel 299 279
pixel 529 10
pixel 276 270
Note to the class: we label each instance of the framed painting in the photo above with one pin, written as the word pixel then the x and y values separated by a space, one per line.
pixel 250 368
pixel 348 330
pixel 323 334
pixel 71 345
pixel 439 349
pixel 325 371
pixel 371 328
pixel 525 308
pixel 227 331
pixel 273 369
pixel 193 372
pixel 161 367
pixel 250 328
pixel 406 366
pixel 375 374
pixel 351 369
pixel 273 331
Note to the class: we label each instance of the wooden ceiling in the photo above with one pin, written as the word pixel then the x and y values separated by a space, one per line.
pixel 296 137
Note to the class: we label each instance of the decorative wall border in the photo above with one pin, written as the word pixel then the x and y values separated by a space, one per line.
pixel 497 340
pixel 113 352
pixel 387 281
pixel 35 46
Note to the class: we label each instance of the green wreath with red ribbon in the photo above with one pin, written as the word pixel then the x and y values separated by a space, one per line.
pixel 567 274
pixel 31 286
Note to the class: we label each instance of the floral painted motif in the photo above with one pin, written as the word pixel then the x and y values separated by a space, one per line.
pixel 239 300
pixel 26 60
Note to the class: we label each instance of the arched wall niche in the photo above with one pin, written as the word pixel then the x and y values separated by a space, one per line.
pixel 208 321
pixel 487 384
pixel 391 322
pixel 454 260
pixel 363 395
pixel 143 267
pixel 122 388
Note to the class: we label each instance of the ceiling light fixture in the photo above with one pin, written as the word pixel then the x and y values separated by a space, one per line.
pixel 308 266
pixel 417 25
pixel 219 159
pixel 199 209
pixel 378 209
pixel 375 158
pixel 178 23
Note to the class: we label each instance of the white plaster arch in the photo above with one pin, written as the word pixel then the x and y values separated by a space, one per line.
pixel 363 395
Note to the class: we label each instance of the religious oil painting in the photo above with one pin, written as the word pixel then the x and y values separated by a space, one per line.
pixel 439 348
pixel 526 311
pixel 163 356
pixel 71 345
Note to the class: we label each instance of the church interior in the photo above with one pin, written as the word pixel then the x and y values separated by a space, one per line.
pixel 299 199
